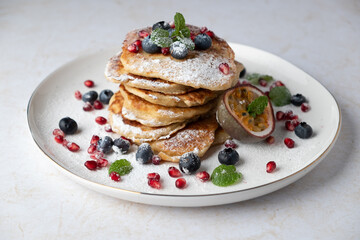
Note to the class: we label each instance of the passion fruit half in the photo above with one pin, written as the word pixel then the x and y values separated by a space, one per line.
pixel 233 116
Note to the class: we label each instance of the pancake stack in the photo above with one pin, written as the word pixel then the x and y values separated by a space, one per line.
pixel 167 102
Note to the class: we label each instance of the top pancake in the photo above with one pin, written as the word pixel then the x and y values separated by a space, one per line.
pixel 200 69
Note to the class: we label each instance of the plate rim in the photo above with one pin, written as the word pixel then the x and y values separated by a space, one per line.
pixel 315 161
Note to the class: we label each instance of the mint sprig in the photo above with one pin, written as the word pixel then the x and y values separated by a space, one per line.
pixel 257 106
pixel 254 78
pixel 225 175
pixel 161 37
pixel 280 96
pixel 121 167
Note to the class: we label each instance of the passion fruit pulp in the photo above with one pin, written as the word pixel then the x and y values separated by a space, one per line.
pixel 233 117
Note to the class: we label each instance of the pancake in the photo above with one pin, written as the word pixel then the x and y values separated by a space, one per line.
pixel 220 136
pixel 194 98
pixel 153 115
pixel 116 73
pixel 200 69
pixel 196 137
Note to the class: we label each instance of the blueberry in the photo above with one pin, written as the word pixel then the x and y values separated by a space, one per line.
pixel 68 125
pixel 161 24
pixel 90 97
pixel 105 96
pixel 144 153
pixel 171 30
pixel 150 47
pixel 178 50
pixel 303 130
pixel 189 163
pixel 297 99
pixel 105 144
pixel 228 156
pixel 202 41
pixel 242 73
pixel 122 144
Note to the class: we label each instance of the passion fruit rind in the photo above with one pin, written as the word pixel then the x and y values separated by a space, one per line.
pixel 229 121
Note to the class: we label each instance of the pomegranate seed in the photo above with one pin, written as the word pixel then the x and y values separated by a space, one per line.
pixel 98 105
pixel 180 183
pixel 73 147
pixel 192 36
pixel 154 183
pixel 288 115
pixel 155 176
pixel 295 122
pixel 230 144
pixel 305 107
pixel 293 117
pixel 65 142
pixel 263 83
pixel 143 34
pixel 280 115
pixel 289 142
pixel 59 139
pixel 108 128
pixel 133 48
pixel 270 140
pixel 100 120
pixel 138 43
pixel 165 51
pixel 203 29
pixel 89 83
pixel 174 172
pixel 94 139
pixel 267 93
pixel 87 107
pixel 102 162
pixel 92 148
pixel 224 68
pixel 91 165
pixel 210 34
pixel 172 24
pixel 78 95
pixel 277 84
pixel 156 159
pixel 289 126
pixel 270 166
pixel 58 132
pixel 130 141
pixel 115 176
pixel 97 155
pixel 203 176
pixel 245 82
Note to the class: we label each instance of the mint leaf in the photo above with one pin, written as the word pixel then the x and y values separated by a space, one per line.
pixel 225 175
pixel 179 22
pixel 280 96
pixel 121 166
pixel 255 77
pixel 187 42
pixel 161 37
pixel 185 32
pixel 257 106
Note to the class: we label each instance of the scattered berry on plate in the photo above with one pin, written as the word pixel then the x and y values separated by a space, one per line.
pixel 105 144
pixel 122 144
pixel 90 96
pixel 144 153
pixel 270 139
pixel 305 107
pixel 87 107
pixel 174 172
pixel 115 176
pixel 68 125
pixel 228 156
pixel 73 147
pixel 202 41
pixel 156 159
pixel 92 148
pixel 59 139
pixel 91 164
pixel 94 139
pixel 189 163
pixel 180 183
pixel 270 166
pixel 153 175
pixel 297 99
pixel 58 132
pixel 100 120
pixel 203 176
pixel 78 95
pixel 89 83
pixel 98 105
pixel 230 144
pixel 303 130
pixel 289 142
pixel 102 162
pixel 154 183
pixel 108 128
pixel 105 96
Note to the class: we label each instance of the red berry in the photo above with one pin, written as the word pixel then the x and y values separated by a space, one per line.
pixel 108 128
pixel 102 162
pixel 305 107
pixel 143 34
pixel 100 120
pixel 92 148
pixel 288 115
pixel 263 83
pixel 133 48
pixel 165 51
pixel 59 139
pixel 172 24
pixel 180 183
pixel 280 115
pixel 210 34
pixel 138 43
pixel 203 29
pixel 289 142
pixel 156 159
pixel 224 68
pixel 154 183
pixel 293 117
pixel 192 36
pixel 94 139
pixel 230 144
pixel 73 147
pixel 115 176
pixel 89 83
pixel 58 132
pixel 98 105
pixel 277 84
pixel 91 165
pixel 97 155
pixel 289 125
pixel 174 172
pixel 65 142
pixel 155 176
pixel 295 122
pixel 270 166
pixel 270 140
pixel 87 107
pixel 78 95
pixel 203 176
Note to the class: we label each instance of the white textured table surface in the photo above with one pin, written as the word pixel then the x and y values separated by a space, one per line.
pixel 37 202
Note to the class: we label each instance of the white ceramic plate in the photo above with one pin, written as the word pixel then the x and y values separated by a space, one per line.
pixel 54 99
